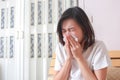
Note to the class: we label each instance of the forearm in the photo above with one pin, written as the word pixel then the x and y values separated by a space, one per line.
pixel 86 72
pixel 64 72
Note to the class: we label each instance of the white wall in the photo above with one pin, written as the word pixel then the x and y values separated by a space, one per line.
pixel 106 20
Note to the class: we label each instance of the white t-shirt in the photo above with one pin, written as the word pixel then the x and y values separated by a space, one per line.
pixel 96 57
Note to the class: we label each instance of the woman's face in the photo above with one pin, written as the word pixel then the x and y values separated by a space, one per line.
pixel 70 27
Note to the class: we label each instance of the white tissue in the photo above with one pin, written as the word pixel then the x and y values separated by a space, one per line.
pixel 76 39
pixel 64 39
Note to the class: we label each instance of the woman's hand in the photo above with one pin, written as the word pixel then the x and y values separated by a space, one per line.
pixel 75 48
pixel 67 48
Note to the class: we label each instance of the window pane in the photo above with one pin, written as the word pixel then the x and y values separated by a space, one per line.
pixel 32 46
pixel 39 45
pixel 12 17
pixel 39 12
pixel 50 45
pixel 49 11
pixel 1 47
pixel 2 18
pixel 32 13
pixel 11 46
pixel 59 8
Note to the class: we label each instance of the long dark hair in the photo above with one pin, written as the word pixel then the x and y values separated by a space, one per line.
pixel 81 18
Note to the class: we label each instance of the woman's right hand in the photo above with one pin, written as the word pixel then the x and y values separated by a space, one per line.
pixel 67 48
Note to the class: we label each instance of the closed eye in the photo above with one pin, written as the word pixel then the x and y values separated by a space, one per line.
pixel 71 29
pixel 63 31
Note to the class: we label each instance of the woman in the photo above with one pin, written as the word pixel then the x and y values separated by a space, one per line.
pixel 78 55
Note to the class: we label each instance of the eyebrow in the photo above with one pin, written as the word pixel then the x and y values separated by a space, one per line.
pixel 70 27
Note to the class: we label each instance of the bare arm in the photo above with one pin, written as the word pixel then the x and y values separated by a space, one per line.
pixel 63 74
pixel 88 74
pixel 101 73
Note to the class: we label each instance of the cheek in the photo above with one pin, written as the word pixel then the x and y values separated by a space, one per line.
pixel 80 36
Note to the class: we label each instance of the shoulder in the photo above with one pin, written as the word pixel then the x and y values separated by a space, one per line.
pixel 100 57
pixel 99 43
pixel 99 46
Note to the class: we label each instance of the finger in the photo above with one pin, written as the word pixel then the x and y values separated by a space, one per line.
pixel 72 41
pixel 67 42
pixel 68 51
pixel 71 48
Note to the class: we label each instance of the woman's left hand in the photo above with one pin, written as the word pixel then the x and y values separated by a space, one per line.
pixel 75 47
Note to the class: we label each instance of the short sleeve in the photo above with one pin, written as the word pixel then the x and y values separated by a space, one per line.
pixel 101 58
pixel 58 63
